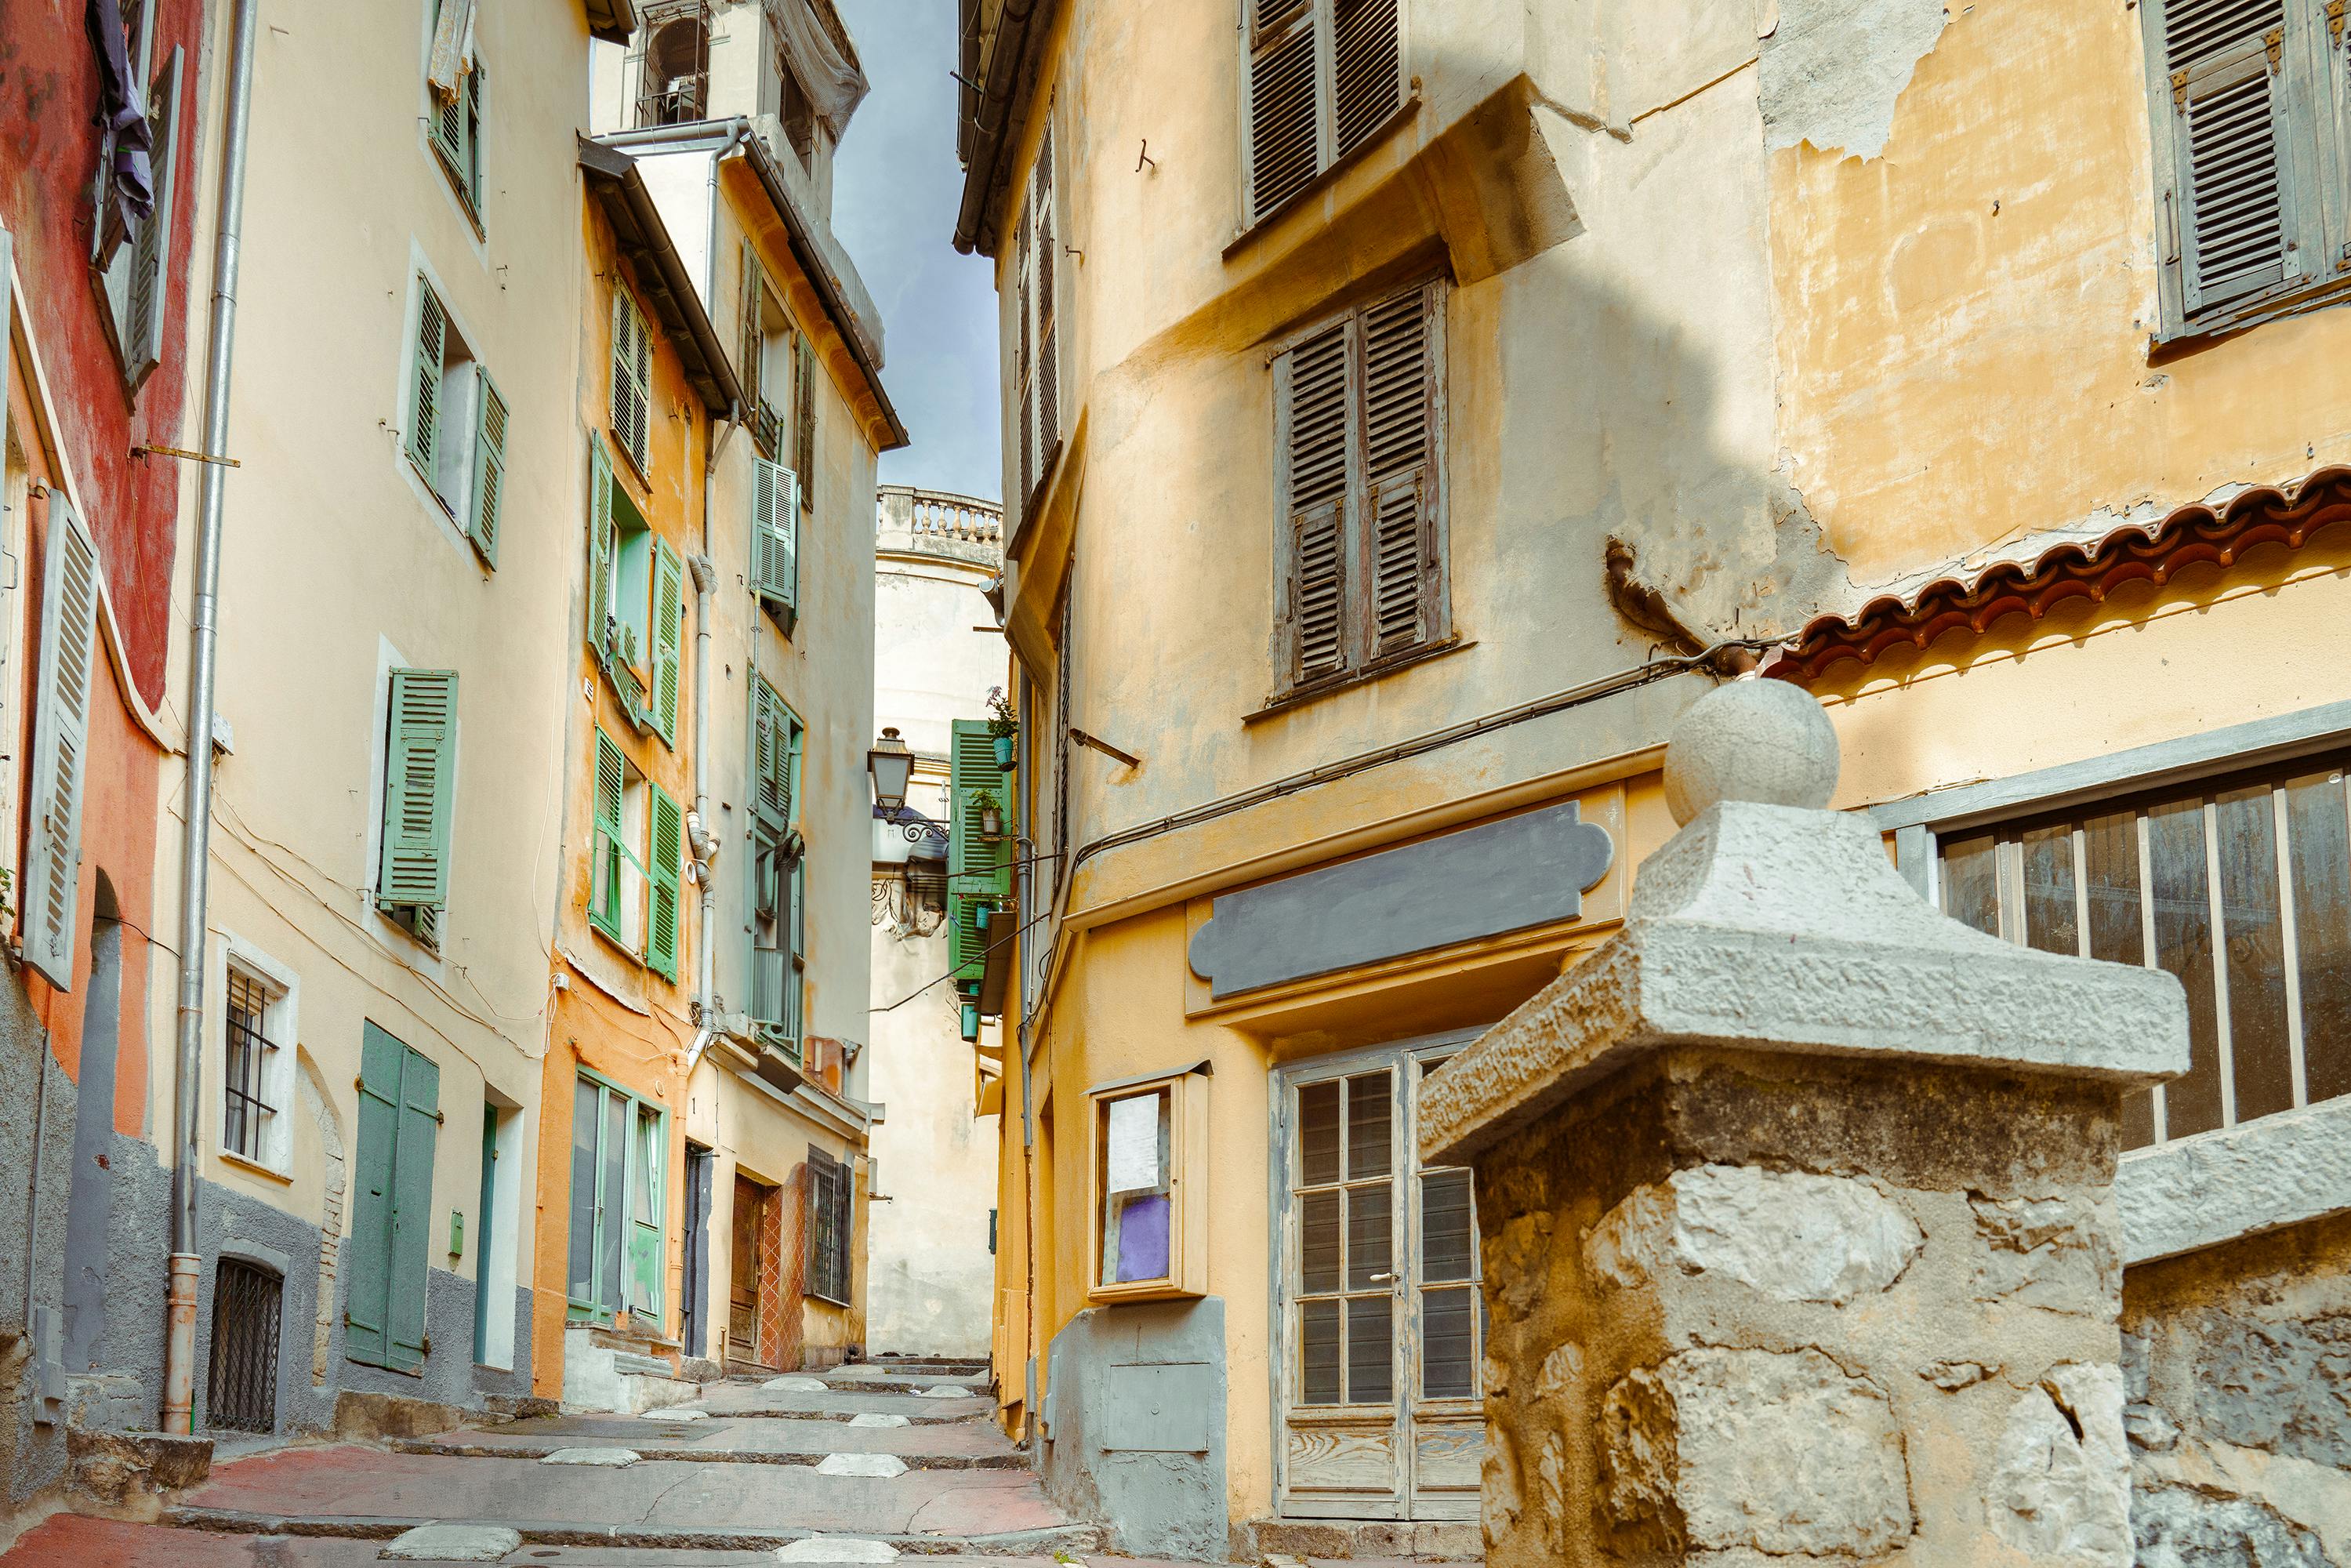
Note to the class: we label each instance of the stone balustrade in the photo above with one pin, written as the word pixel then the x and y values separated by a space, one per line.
pixel 910 517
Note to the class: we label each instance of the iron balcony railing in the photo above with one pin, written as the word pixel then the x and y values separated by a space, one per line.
pixel 619 892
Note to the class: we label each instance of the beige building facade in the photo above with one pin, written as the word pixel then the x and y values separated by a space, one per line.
pixel 1410 409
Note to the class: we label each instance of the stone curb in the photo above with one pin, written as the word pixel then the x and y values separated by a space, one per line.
pixel 1073 1538
pixel 1012 1461
pixel 772 1412
pixel 904 1385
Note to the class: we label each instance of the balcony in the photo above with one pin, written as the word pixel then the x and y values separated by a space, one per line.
pixel 938 523
pixel 672 63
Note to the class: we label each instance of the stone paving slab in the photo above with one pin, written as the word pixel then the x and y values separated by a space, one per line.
pixel 750 1400
pixel 938 1445
pixel 362 1484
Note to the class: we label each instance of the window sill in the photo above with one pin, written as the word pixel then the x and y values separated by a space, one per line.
pixel 254 1167
pixel 2217 1186
pixel 615 943
pixel 2300 300
pixel 1256 228
pixel 1300 696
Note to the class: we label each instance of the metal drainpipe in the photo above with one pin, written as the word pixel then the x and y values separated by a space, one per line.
pixel 179 1299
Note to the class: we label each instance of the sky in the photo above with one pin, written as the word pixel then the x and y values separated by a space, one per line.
pixel 895 188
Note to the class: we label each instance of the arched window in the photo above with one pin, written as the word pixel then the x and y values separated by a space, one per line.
pixel 674 68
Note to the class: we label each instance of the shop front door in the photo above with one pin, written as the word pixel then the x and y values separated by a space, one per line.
pixel 1381 1318
pixel 743 1272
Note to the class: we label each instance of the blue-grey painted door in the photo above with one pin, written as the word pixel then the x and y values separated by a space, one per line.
pixel 399 1121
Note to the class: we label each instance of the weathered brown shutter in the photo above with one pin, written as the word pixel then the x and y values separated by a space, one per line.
pixel 1316 467
pixel 2230 105
pixel 1024 388
pixel 1399 432
pixel 1366 83
pixel 1048 414
pixel 1285 127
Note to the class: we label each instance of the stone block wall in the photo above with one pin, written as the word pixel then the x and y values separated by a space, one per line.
pixel 1752 1308
pixel 2237 1375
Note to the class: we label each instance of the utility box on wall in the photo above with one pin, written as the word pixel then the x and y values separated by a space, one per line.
pixel 1148 1168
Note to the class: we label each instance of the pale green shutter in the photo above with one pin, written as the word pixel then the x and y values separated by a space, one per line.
pixel 604 886
pixel 64 674
pixel 600 545
pixel 978 871
pixel 489 468
pixel 795 988
pixel 367 1260
pixel 750 335
pixel 2230 72
pixel 411 1208
pixel 152 251
pixel 648 1164
pixel 419 788
pixel 775 533
pixel 662 926
pixel 669 632
pixel 795 731
pixel 424 396
pixel 632 379
pixel 771 795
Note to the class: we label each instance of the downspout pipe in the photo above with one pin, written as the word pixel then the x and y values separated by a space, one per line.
pixel 196 817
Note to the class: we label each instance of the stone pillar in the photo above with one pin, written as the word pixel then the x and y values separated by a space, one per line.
pixel 1796 1199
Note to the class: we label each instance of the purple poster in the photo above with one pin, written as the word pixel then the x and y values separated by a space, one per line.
pixel 1143 1238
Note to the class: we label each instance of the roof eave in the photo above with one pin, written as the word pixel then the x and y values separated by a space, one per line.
pixel 620 188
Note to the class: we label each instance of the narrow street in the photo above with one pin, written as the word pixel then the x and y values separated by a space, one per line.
pixel 859 1465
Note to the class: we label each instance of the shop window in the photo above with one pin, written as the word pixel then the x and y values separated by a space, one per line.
pixel 1149 1172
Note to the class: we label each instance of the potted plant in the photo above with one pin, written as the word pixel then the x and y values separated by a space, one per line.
pixel 1003 729
pixel 990 809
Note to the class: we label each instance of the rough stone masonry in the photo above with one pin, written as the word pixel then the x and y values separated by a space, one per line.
pixel 1797 1202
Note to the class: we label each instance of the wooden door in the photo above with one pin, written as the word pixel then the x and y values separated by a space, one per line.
pixel 1382 1415
pixel 743 1273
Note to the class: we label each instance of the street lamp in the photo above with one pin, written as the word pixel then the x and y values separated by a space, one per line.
pixel 891 765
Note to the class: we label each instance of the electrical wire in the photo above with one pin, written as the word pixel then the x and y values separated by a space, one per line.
pixel 991 947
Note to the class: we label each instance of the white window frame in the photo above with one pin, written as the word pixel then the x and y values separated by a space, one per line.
pixel 281 1022
pixel 421 275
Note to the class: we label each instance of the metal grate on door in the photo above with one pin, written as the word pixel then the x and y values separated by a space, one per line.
pixel 242 1390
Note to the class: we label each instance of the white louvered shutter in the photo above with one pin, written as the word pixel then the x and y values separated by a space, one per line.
pixel 69 590
pixel 1313 387
pixel 2233 107
pixel 775 533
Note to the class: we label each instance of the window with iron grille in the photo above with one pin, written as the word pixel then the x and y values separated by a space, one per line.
pixel 241 1391
pixel 247 1111
pixel 828 1227
pixel 2241 886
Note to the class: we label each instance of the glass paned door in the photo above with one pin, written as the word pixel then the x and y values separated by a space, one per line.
pixel 619 1154
pixel 1382 1320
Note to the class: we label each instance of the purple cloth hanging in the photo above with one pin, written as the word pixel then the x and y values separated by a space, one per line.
pixel 129 144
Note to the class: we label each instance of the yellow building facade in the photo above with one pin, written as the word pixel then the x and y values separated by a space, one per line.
pixel 1410 409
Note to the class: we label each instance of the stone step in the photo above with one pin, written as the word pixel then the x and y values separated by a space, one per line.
pixel 541 1450
pixel 733 1398
pixel 1041 1544
pixel 950 1445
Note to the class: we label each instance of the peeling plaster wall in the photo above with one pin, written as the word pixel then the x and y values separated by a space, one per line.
pixel 1832 69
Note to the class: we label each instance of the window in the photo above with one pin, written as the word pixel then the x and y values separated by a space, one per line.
pixel 1150 1149
pixel 61 693
pixel 804 384
pixel 779 883
pixel 1036 355
pixel 632 382
pixel 674 65
pixel 831 1227
pixel 452 78
pixel 250 1087
pixel 774 541
pixel 456 425
pixel 636 603
pixel 134 261
pixel 1324 76
pixel 635 860
pixel 793 109
pixel 2242 888
pixel 620 1164
pixel 767 354
pixel 979 859
pixel 2252 101
pixel 420 774
pixel 1358 439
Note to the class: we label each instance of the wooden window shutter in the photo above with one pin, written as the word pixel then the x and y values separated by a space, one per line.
pixel 470 167
pixel 632 379
pixel 1399 443
pixel 2232 107
pixel 425 398
pixel 489 468
pixel 751 337
pixel 1285 119
pixel 1313 400
pixel 978 870
pixel 62 698
pixel 151 252
pixel 667 847
pixel 794 733
pixel 669 636
pixel 775 533
pixel 367 1259
pixel 1367 81
pixel 419 780
pixel 804 409
pixel 600 546
pixel 1049 409
pixel 412 1207
pixel 1024 385
pixel 771 756
pixel 604 810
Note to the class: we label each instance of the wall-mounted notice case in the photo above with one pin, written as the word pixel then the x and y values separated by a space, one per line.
pixel 1149 1186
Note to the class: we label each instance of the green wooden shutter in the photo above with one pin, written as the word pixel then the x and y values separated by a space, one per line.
pixel 979 872
pixel 771 756
pixel 1312 403
pixel 489 468
pixel 669 634
pixel 775 533
pixel 643 1204
pixel 2232 109
pixel 424 395
pixel 750 336
pixel 661 924
pixel 367 1260
pixel 411 1208
pixel 151 252
pixel 419 787
pixel 796 971
pixel 600 545
pixel 604 885
pixel 62 692
pixel 632 379
pixel 794 732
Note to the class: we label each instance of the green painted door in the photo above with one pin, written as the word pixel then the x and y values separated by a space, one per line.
pixel 399 1121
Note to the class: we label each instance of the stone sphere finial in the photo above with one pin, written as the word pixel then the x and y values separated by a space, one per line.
pixel 1760 740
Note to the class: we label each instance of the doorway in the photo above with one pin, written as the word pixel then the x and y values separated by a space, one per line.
pixel 90 1198
pixel 753 1218
pixel 1383 1320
